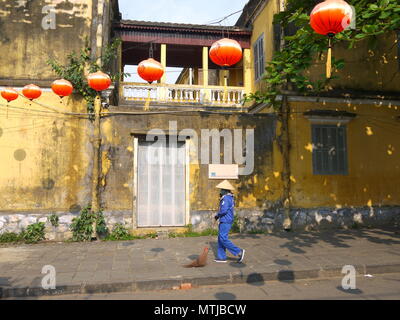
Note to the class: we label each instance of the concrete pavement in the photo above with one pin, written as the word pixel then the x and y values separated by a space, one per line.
pixel 144 265
pixel 380 287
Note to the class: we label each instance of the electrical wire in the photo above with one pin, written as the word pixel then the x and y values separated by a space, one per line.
pixel 45 112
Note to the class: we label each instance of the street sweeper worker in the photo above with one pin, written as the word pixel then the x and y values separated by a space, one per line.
pixel 225 216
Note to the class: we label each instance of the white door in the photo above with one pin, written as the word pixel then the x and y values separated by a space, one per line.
pixel 161 184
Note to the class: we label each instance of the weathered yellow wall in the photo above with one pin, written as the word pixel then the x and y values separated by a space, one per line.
pixel 373 140
pixel 45 158
pixel 374 68
pixel 26 46
pixel 365 68
pixel 263 24
pixel 256 190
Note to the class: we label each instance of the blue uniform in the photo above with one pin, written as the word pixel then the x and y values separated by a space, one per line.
pixel 226 214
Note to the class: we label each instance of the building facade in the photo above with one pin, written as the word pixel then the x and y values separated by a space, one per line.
pixel 343 160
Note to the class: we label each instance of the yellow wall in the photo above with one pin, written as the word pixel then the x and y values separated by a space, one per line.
pixel 263 24
pixel 22 34
pixel 373 141
pixel 365 68
pixel 45 157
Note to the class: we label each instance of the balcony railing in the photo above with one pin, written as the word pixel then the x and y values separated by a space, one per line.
pixel 183 94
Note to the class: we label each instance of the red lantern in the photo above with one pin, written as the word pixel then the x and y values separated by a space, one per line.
pixel 329 18
pixel 99 81
pixel 226 52
pixel 62 88
pixel 150 70
pixel 31 91
pixel 9 94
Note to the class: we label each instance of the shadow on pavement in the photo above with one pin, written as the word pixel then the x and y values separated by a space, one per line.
pixel 286 276
pixel 350 291
pixel 297 241
pixel 225 296
pixel 255 279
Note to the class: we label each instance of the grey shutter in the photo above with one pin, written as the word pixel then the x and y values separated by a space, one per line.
pixel 329 149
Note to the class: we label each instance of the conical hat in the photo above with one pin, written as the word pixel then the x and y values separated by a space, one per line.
pixel 225 185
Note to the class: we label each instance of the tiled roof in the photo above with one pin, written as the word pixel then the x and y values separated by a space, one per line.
pixel 134 24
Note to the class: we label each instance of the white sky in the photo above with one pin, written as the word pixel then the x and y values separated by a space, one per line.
pixel 178 11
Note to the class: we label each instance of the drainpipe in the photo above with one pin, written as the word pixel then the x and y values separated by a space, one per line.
pixel 96 161
pixel 285 140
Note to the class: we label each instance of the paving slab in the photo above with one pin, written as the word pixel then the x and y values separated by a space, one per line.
pixel 143 265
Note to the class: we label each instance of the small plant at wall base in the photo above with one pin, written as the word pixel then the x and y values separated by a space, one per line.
pixel 10 237
pixel 288 66
pixel 120 232
pixel 53 219
pixel 79 64
pixel 34 233
pixel 82 226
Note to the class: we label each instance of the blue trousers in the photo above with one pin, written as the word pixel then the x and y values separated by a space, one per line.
pixel 224 243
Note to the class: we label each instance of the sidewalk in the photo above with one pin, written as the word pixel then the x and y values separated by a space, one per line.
pixel 157 264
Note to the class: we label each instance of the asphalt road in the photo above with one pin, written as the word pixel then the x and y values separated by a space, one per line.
pixel 380 287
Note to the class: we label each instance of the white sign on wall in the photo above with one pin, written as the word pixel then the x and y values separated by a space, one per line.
pixel 223 171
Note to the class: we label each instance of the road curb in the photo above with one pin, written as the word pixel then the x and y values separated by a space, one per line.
pixel 286 275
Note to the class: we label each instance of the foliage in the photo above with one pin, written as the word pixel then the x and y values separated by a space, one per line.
pixel 235 226
pixel 192 234
pixel 53 219
pixel 288 65
pixel 10 237
pixel 82 226
pixel 34 233
pixel 79 65
pixel 120 232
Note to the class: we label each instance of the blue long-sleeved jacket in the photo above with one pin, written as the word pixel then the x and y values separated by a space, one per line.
pixel 226 209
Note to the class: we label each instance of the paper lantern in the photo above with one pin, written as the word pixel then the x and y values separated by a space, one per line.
pixel 329 18
pixel 9 94
pixel 31 91
pixel 150 70
pixel 62 88
pixel 99 81
pixel 226 52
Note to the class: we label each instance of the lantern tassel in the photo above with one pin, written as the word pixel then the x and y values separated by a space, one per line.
pixel 329 61
pixel 225 86
pixel 147 104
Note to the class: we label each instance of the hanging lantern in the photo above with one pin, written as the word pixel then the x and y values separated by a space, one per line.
pixel 150 70
pixel 329 18
pixel 99 81
pixel 226 52
pixel 62 88
pixel 31 92
pixel 9 94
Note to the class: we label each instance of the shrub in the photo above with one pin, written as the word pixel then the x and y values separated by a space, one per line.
pixel 53 219
pixel 82 226
pixel 119 232
pixel 10 237
pixel 235 226
pixel 34 233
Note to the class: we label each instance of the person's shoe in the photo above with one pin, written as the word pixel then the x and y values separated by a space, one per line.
pixel 220 260
pixel 241 256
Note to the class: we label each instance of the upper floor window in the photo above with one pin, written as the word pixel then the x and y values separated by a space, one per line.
pixel 329 149
pixel 259 58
